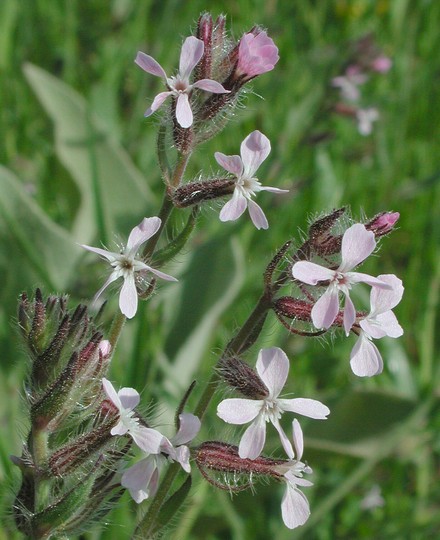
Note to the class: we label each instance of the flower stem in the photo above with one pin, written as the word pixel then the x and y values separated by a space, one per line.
pixel 116 328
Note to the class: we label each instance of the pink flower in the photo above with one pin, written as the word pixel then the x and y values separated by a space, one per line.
pixel 272 367
pixel 257 54
pixel 254 150
pixel 381 64
pixel 179 86
pixel 126 264
pixel 348 85
pixel 357 245
pixel 365 358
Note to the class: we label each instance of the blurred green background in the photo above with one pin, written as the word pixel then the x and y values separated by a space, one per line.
pixel 76 146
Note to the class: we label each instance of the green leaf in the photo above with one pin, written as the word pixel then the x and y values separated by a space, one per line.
pixel 112 189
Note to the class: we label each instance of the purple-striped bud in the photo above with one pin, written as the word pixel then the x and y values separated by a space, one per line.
pixel 382 223
pixel 240 376
pixel 199 192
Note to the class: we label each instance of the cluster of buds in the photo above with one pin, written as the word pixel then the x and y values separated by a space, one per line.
pixel 367 59
pixel 68 459
pixel 212 72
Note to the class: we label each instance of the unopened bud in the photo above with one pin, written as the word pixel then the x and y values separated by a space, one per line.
pixel 204 33
pixel 293 308
pixel 198 192
pixel 321 239
pixel 382 223
pixel 243 378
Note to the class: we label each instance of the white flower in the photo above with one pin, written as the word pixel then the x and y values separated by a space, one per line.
pixel 365 119
pixel 126 264
pixel 365 358
pixel 273 367
pixel 148 440
pixel 357 245
pixel 348 85
pixel 180 87
pixel 254 150
pixel 189 426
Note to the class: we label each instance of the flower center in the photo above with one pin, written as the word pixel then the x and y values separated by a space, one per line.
pixel 178 85
pixel 271 410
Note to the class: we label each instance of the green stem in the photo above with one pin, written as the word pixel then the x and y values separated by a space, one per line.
pixel 179 170
pixel 38 445
pixel 116 329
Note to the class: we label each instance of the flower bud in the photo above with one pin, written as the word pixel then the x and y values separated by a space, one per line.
pixel 382 223
pixel 198 192
pixel 257 54
pixel 204 33
pixel 243 378
pixel 321 239
pixel 293 308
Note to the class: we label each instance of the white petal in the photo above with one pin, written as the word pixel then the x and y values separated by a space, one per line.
pixel 383 300
pixel 109 255
pixel 239 411
pixel 311 408
pixel 234 208
pixel 182 456
pixel 232 164
pixel 273 189
pixel 160 274
pixel 129 398
pixel 357 245
pixel 366 360
pixel 325 310
pixel 150 65
pixel 137 479
pixel 109 389
pixel 147 228
pixel 188 429
pixel 128 297
pixel 157 102
pixel 119 429
pixel 349 314
pixel 287 445
pixel 273 368
pixel 257 215
pixel 148 440
pixel 311 273
pixel 294 507
pixel 210 86
pixel 190 56
pixel 254 150
pixel 298 439
pixel 252 442
pixel 388 322
pixel 112 277
pixel 359 277
pixel 184 115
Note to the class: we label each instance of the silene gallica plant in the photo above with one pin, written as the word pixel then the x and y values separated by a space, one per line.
pixel 89 441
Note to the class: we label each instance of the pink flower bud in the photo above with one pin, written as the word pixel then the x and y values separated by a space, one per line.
pixel 383 223
pixel 257 54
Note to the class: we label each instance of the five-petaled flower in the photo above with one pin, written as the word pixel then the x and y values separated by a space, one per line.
pixel 254 150
pixel 257 54
pixel 142 478
pixel 273 367
pixel 126 264
pixel 180 86
pixel 365 359
pixel 357 245
pixel 149 440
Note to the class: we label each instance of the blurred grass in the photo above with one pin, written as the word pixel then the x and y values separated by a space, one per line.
pixel 91 46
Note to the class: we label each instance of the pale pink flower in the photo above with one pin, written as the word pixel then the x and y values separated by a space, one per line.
pixel 272 367
pixel 366 360
pixel 365 120
pixel 381 64
pixel 254 150
pixel 257 54
pixel 357 245
pixel 180 86
pixel 148 440
pixel 349 85
pixel 126 265
pixel 189 426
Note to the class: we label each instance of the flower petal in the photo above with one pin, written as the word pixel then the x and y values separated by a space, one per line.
pixel 273 367
pixel 210 86
pixel 148 440
pixel 182 456
pixel 138 477
pixel 383 300
pixel 150 65
pixel 311 273
pixel 234 208
pixel 157 102
pixel 160 274
pixel 365 359
pixel 147 228
pixel 252 442
pixel 325 310
pixel 306 407
pixel 294 507
pixel 190 56
pixel 109 255
pixel 357 245
pixel 109 389
pixel 232 164
pixel 239 411
pixel 298 439
pixel 349 314
pixel 287 445
pixel 128 297
pixel 112 277
pixel 257 215
pixel 254 150
pixel 359 277
pixel 188 429
pixel 184 115
pixel 129 398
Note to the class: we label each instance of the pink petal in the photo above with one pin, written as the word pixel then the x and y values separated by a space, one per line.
pixel 109 389
pixel 384 324
pixel 298 438
pixel 149 440
pixel 129 398
pixel 311 273
pixel 365 359
pixel 357 245
pixel 232 164
pixel 157 102
pixel 160 274
pixel 210 86
pixel 128 297
pixel 182 456
pixel 384 300
pixel 306 407
pixel 184 115
pixel 254 150
pixel 149 64
pixel 284 439
pixel 190 56
pixel 112 277
pixel 273 368
pixel 137 479
pixel 239 411
pixel 252 442
pixel 188 429
pixel 294 507
pixel 325 310
pixel 234 208
pixel 147 228
pixel 257 215
pixel 359 277
pixel 349 314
